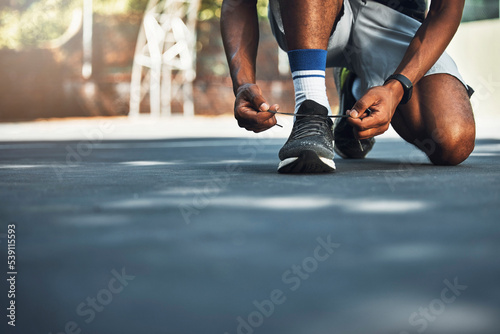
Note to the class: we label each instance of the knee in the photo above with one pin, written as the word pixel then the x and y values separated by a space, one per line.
pixel 455 147
pixel 451 147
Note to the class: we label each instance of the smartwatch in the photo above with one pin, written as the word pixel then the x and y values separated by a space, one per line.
pixel 407 86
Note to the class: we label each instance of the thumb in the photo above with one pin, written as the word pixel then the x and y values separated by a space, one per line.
pixel 360 107
pixel 258 100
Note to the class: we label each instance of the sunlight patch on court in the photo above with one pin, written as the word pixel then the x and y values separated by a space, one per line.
pixel 386 206
pixel 147 163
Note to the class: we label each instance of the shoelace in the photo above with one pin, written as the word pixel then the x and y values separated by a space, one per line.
pixel 292 114
pixel 328 116
pixel 315 125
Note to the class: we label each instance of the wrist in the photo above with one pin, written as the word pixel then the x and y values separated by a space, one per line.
pixel 404 83
pixel 241 80
pixel 241 86
pixel 396 88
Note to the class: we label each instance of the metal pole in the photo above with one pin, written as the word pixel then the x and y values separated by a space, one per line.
pixel 87 39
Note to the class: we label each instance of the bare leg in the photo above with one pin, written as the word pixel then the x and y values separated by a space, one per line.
pixel 309 24
pixel 438 120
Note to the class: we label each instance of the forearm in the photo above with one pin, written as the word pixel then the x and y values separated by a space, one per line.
pixel 431 39
pixel 240 35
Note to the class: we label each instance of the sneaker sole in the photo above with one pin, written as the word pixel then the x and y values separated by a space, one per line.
pixel 307 162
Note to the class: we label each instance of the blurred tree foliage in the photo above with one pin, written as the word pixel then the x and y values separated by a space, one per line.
pixel 211 9
pixel 28 23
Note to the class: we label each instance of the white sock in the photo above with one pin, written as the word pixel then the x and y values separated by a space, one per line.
pixel 308 73
pixel 310 85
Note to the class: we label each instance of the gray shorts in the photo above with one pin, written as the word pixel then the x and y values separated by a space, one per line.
pixel 370 39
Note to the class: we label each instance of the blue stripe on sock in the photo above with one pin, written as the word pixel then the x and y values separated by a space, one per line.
pixel 307 59
pixel 308 76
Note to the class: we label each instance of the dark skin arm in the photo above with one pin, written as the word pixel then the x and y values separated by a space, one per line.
pixel 240 35
pixel 427 46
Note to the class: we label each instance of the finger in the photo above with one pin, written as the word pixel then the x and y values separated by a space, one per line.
pixel 269 123
pixel 246 118
pixel 369 122
pixel 265 124
pixel 257 99
pixel 249 119
pixel 265 115
pixel 245 115
pixel 360 107
pixel 354 114
pixel 366 134
pixel 264 119
pixel 274 107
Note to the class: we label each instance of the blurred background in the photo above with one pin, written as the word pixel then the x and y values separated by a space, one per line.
pixel 74 58
pixel 95 184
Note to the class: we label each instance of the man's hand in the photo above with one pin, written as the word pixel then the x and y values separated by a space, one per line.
pixel 382 101
pixel 250 109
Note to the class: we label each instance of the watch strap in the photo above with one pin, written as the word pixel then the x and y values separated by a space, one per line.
pixel 407 86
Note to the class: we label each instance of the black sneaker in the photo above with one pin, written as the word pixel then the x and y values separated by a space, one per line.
pixel 346 145
pixel 309 149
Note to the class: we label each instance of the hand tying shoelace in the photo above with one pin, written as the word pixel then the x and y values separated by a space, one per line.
pixel 368 111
